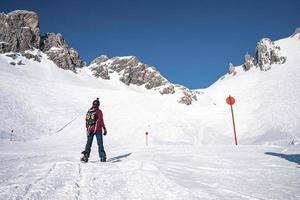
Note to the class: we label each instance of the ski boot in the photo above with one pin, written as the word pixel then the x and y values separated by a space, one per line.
pixel 103 159
pixel 85 157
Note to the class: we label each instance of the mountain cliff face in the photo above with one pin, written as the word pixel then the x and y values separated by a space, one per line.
pixel 55 46
pixel 131 71
pixel 20 32
pixel 267 54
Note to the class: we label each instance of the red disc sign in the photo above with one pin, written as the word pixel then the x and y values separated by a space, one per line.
pixel 230 100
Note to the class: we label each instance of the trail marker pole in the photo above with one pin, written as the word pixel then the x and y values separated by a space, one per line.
pixel 11 134
pixel 230 101
pixel 146 138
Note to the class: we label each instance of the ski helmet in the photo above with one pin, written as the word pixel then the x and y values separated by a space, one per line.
pixel 96 102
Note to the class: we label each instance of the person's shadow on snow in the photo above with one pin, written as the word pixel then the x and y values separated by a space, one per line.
pixel 118 158
pixel 290 157
pixel 114 159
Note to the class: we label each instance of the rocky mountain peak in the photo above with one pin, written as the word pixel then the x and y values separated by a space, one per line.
pixel 131 71
pixel 24 17
pixel 267 53
pixel 19 32
pixel 53 40
pixel 55 46
pixel 99 60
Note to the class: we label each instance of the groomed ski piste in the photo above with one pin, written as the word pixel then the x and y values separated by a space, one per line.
pixel 191 153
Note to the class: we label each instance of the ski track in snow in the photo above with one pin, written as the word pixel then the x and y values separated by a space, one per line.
pixel 152 173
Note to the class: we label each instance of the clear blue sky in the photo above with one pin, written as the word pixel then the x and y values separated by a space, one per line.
pixel 190 42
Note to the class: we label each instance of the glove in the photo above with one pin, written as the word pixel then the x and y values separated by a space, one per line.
pixel 105 131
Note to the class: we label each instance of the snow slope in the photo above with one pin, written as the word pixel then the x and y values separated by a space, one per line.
pixel 43 98
pixel 40 99
pixel 50 169
pixel 267 103
pixel 43 102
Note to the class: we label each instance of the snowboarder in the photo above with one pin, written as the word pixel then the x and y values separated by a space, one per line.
pixel 94 126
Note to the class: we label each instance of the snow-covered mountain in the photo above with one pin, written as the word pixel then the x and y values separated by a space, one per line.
pixel 46 89
pixel 20 32
pixel 130 71
pixel 45 86
pixel 266 91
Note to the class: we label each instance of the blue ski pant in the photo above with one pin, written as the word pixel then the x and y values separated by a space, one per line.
pixel 89 143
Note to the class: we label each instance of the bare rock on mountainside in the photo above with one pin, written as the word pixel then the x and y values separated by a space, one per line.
pixel 100 59
pixel 268 53
pixel 32 56
pixel 19 32
pixel 188 96
pixel 100 70
pixel 27 55
pixel 231 69
pixel 186 99
pixel 53 40
pixel 170 89
pixel 131 71
pixel 248 64
pixel 55 46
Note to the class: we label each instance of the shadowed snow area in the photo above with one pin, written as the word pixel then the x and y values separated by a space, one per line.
pixel 190 153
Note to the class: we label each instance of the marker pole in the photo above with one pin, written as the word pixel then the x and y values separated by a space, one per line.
pixel 235 139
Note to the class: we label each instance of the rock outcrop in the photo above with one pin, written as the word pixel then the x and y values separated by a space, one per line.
pixel 231 69
pixel 131 71
pixel 169 89
pixel 248 64
pixel 268 53
pixel 188 95
pixel 55 46
pixel 20 32
pixel 35 57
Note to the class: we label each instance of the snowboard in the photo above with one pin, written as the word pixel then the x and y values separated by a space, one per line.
pixel 83 160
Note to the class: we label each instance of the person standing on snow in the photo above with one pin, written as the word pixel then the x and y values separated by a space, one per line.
pixel 94 126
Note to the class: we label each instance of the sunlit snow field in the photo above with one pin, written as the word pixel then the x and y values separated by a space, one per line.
pixel 190 154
